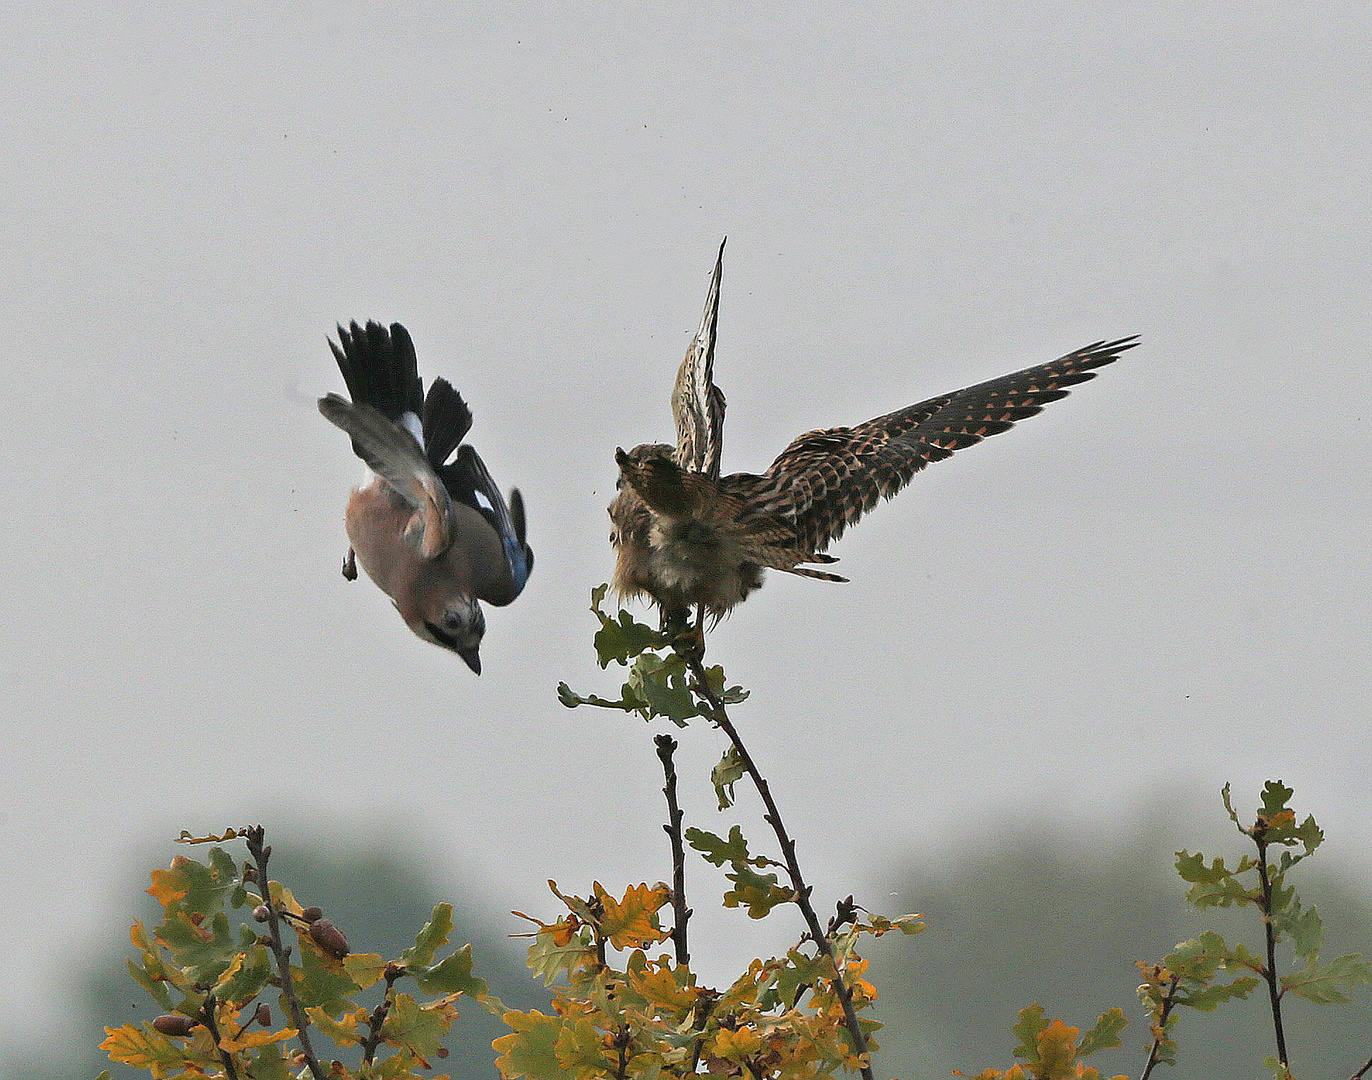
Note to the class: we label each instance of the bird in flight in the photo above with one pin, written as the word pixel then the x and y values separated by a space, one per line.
pixel 687 537
pixel 434 534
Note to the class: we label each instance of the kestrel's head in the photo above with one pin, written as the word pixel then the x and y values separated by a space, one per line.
pixel 651 470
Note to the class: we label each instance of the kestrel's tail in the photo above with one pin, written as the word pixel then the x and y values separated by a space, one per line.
pixel 822 575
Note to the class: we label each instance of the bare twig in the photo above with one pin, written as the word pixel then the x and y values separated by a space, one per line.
pixel 207 1015
pixel 378 1018
pixel 666 746
pixel 254 836
pixel 1259 835
pixel 1154 1052
pixel 845 912
pixel 597 910
pixel 720 719
pixel 1362 1072
pixel 705 1004
pixel 375 1022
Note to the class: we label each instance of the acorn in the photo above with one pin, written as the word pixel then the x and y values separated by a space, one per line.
pixel 173 1024
pixel 329 938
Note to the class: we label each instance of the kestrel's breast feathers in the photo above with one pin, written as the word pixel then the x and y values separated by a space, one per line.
pixel 826 480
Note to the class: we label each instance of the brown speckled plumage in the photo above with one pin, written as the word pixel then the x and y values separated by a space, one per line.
pixel 688 537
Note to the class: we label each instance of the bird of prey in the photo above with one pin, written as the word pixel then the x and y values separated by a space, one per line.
pixel 688 537
pixel 435 534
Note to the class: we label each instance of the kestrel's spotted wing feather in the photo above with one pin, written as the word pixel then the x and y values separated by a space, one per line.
pixel 826 480
pixel 697 403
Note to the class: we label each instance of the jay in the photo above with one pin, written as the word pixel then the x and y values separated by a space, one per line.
pixel 434 534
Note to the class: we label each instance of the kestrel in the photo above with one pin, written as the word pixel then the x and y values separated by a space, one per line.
pixel 689 538
pixel 435 535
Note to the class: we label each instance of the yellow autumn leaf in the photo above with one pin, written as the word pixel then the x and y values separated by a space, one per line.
pixel 736 1045
pixel 631 923
pixel 235 966
pixel 249 1038
pixel 365 969
pixel 792 1054
pixel 1057 1049
pixel 528 1049
pixel 661 989
pixel 226 835
pixel 582 1051
pixel 286 901
pixel 562 931
pixel 128 1045
pixel 345 1031
pixel 169 885
pixel 138 934
pixel 133 1045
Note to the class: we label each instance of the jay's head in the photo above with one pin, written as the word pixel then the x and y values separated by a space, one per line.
pixel 457 625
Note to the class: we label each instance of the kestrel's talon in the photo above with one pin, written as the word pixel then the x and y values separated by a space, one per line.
pixel 689 643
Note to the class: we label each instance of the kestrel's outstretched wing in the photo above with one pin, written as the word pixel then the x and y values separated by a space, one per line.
pixel 826 480
pixel 697 403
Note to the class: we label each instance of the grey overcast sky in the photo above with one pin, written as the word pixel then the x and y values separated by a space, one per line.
pixel 1159 584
